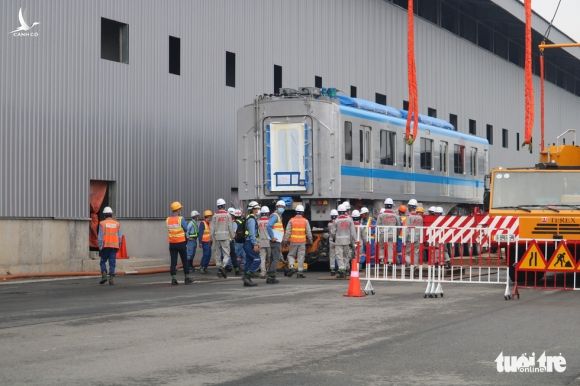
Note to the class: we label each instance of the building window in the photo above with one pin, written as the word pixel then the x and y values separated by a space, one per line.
pixel 473 162
pixel 449 17
pixel 426 153
pixel 432 112
pixel 348 141
pixel 405 105
pixel 443 156
pixel 353 91
pixel 387 143
pixel 516 54
pixel 500 45
pixel 518 141
pixel 489 133
pixel 453 120
pixel 114 41
pixel 230 69
pixel 318 81
pixel 381 99
pixel 472 127
pixel 277 79
pixel 504 138
pixel 459 159
pixel 174 55
pixel 428 9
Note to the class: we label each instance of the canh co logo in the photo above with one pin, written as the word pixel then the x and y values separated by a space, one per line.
pixel 22 31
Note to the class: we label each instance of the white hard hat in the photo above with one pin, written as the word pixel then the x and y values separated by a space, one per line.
pixel 412 202
pixel 194 213
pixel 299 208
pixel 220 202
pixel 432 209
pixel 265 209
pixel 107 210
pixel 238 212
pixel 439 210
pixel 346 205
pixel 231 210
pixel 383 210
pixel 281 203
pixel 355 213
pixel 253 205
pixel 364 210
pixel 389 201
pixel 341 208
pixel 334 212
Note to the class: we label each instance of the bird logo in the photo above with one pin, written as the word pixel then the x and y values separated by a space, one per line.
pixel 24 27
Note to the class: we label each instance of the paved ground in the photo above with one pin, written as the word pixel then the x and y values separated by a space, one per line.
pixel 300 332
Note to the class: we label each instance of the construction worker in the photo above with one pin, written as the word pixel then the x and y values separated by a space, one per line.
pixel 222 232
pixel 298 233
pixel 414 228
pixel 431 211
pixel 331 246
pixel 191 233
pixel 276 231
pixel 388 221
pixel 251 244
pixel 403 216
pixel 205 245
pixel 369 227
pixel 234 258
pixel 239 226
pixel 264 240
pixel 109 239
pixel 343 234
pixel 176 228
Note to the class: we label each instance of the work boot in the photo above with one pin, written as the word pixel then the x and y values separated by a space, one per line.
pixel 174 280
pixel 291 272
pixel 300 275
pixel 103 278
pixel 203 270
pixel 111 279
pixel 228 269
pixel 272 280
pixel 332 273
pixel 248 281
pixel 237 271
pixel 223 273
pixel 187 280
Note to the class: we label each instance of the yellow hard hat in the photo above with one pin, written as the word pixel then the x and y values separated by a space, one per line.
pixel 420 210
pixel 207 213
pixel 175 206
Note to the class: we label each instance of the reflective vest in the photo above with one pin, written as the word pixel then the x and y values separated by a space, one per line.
pixel 206 238
pixel 194 230
pixel 298 231
pixel 278 226
pixel 175 232
pixel 110 229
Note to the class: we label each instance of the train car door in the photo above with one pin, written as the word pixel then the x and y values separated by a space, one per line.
pixel 365 156
pixel 408 167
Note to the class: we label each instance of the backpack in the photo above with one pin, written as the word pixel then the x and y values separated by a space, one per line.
pixel 240 236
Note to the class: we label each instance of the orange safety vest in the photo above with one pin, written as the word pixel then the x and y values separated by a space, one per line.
pixel 298 232
pixel 176 233
pixel 206 238
pixel 110 229
pixel 278 226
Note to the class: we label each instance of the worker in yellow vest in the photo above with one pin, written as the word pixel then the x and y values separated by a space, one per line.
pixel 298 233
pixel 176 228
pixel 275 229
pixel 109 240
pixel 205 244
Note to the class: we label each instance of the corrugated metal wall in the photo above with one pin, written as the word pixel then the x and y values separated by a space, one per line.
pixel 67 116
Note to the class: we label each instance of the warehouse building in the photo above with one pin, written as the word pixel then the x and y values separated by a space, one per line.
pixel 133 104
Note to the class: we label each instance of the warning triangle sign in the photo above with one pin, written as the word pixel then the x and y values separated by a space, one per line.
pixel 561 260
pixel 533 259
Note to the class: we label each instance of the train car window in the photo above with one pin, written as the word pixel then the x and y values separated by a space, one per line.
pixel 459 159
pixel 348 141
pixel 443 156
pixel 360 145
pixel 473 166
pixel 426 153
pixel 368 143
pixel 387 143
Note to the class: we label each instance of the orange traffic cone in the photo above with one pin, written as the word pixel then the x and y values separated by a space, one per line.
pixel 354 289
pixel 122 254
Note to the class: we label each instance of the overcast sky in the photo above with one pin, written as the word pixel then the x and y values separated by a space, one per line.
pixel 568 18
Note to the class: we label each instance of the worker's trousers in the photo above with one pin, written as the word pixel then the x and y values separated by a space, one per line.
pixel 342 256
pixel 332 257
pixel 181 250
pixel 297 252
pixel 265 257
pixel 206 256
pixel 191 247
pixel 110 255
pixel 252 258
pixel 276 254
pixel 220 251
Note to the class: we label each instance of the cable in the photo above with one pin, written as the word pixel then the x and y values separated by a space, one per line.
pixel 547 33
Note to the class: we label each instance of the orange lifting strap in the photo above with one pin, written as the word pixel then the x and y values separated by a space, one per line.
pixel 529 86
pixel 412 78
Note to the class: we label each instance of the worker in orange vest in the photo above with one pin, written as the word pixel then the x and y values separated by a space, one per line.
pixel 298 233
pixel 176 229
pixel 109 240
pixel 205 244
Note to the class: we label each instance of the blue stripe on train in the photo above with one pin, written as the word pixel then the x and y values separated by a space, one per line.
pixel 354 171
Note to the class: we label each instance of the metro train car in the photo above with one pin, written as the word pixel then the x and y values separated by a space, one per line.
pixel 318 148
